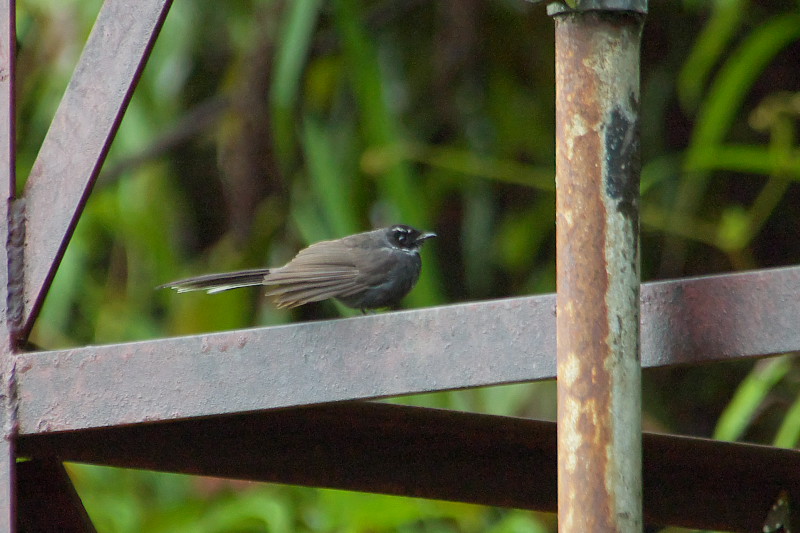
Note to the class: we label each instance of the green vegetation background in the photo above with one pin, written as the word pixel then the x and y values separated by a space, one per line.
pixel 261 126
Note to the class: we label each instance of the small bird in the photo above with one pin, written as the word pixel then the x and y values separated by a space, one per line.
pixel 365 271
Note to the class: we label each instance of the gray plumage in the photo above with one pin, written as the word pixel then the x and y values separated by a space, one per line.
pixel 365 271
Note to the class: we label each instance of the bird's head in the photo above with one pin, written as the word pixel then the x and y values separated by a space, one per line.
pixel 406 237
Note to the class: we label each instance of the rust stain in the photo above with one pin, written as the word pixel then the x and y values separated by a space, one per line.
pixel 584 104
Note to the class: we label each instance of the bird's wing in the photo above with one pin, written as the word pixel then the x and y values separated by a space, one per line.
pixel 327 269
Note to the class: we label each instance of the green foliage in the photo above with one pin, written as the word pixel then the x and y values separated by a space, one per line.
pixel 260 127
pixel 749 398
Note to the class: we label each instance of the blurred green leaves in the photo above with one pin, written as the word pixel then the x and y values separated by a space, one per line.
pixel 293 48
pixel 750 397
pixel 723 103
pixel 726 17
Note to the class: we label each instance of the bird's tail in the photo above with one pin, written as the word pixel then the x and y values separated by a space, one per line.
pixel 212 283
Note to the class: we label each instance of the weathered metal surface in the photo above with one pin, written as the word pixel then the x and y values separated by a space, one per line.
pixel 365 357
pixel 636 6
pixel 81 133
pixel 597 261
pixel 469 345
pixel 430 453
pixel 713 485
pixel 48 501
pixel 361 446
pixel 715 318
pixel 8 426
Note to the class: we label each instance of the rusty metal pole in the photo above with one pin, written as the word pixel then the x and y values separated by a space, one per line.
pixel 597 239
pixel 8 264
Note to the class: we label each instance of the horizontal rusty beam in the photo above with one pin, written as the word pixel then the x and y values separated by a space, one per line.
pixel 688 321
pixel 365 357
pixel 80 135
pixel 430 453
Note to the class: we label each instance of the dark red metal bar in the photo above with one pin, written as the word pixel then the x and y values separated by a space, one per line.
pixel 688 321
pixel 81 133
pixel 7 298
pixel 430 453
pixel 47 499
pixel 355 445
pixel 597 260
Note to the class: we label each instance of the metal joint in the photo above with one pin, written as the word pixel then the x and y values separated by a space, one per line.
pixel 578 6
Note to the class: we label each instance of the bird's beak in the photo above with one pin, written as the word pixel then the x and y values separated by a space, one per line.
pixel 425 236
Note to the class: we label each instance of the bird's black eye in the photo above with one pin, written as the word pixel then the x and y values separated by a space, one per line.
pixel 402 237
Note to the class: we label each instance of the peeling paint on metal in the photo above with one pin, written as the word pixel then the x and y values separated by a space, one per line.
pixel 598 277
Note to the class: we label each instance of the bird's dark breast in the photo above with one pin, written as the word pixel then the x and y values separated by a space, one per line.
pixel 391 283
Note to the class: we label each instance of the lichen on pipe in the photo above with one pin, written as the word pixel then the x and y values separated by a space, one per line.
pixel 597 200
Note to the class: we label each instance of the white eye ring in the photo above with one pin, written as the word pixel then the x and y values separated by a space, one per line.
pixel 401 236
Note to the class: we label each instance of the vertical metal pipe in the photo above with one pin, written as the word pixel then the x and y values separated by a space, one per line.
pixel 7 187
pixel 597 235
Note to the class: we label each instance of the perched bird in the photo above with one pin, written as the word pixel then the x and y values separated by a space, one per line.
pixel 364 271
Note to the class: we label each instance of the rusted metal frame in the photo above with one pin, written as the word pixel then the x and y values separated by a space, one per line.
pixel 688 321
pixel 8 268
pixel 365 357
pixel 65 169
pixel 431 453
pixel 597 265
pixel 81 132
pixel 47 499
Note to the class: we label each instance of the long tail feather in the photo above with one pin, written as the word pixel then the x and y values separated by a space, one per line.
pixel 219 282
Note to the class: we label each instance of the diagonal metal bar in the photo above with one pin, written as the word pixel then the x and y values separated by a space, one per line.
pixel 431 453
pixel 688 321
pixel 81 133
pixel 48 501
